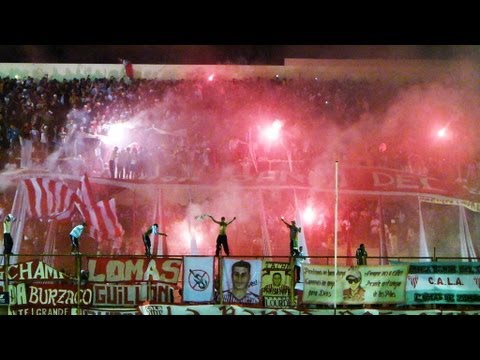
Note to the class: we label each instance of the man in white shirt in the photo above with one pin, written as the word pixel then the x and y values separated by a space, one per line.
pixel 74 235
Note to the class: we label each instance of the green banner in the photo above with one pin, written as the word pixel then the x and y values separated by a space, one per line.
pixel 355 285
pixel 443 283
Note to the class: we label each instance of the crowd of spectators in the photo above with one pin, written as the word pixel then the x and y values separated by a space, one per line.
pixel 189 128
pixel 209 125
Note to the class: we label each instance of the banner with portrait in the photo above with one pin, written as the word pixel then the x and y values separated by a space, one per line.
pixel 355 285
pixel 276 284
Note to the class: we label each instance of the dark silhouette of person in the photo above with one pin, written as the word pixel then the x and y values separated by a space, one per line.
pixel 146 238
pixel 222 240
pixel 294 230
pixel 361 255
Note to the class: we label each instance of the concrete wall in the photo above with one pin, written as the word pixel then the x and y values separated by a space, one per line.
pixel 382 70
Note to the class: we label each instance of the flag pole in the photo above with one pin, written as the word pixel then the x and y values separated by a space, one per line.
pixel 336 239
pixel 134 218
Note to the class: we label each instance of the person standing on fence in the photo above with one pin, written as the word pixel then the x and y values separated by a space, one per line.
pixel 7 237
pixel 222 235
pixel 299 260
pixel 146 238
pixel 361 255
pixel 294 230
pixel 74 235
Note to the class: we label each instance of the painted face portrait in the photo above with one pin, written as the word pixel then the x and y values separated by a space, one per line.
pixel 240 277
pixel 276 279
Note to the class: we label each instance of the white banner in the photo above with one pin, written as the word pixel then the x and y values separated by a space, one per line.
pixel 112 311
pixel 241 281
pixel 198 279
pixel 239 310
pixel 449 282
pixel 211 310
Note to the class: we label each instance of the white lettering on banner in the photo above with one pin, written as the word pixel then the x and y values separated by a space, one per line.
pixel 152 271
pixel 171 268
pixel 377 179
pixel 31 270
pixel 18 293
pixel 130 295
pixel 115 271
pixel 49 296
pixel 92 275
pixel 132 270
pixel 28 270
pixel 276 301
pixel 41 311
pixel 406 182
pixel 163 270
pixel 403 181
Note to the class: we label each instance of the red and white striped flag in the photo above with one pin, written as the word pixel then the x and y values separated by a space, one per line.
pixel 85 193
pixel 49 198
pixel 100 217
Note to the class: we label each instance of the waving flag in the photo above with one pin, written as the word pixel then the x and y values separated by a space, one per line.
pixel 201 217
pixel 49 198
pixel 101 217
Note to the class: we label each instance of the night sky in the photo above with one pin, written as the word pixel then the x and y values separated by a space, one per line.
pixel 226 54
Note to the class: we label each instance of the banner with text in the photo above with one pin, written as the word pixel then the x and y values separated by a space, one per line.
pixel 443 283
pixel 100 311
pixel 129 295
pixel 355 285
pixel 32 270
pixel 163 270
pixel 47 299
pixel 276 284
pixel 161 310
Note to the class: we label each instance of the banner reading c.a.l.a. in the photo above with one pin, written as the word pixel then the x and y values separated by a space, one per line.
pixel 443 283
pixel 198 279
pixel 355 285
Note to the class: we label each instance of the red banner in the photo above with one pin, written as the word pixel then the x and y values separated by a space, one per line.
pixel 32 270
pixel 130 270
